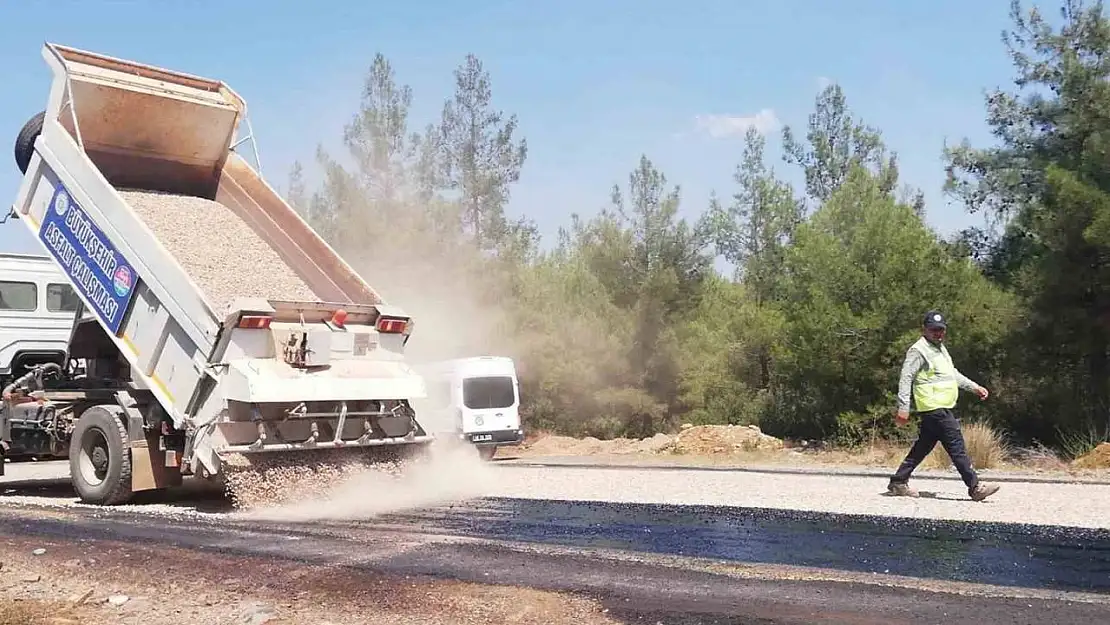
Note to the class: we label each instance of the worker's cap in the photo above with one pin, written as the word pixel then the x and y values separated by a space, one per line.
pixel 933 319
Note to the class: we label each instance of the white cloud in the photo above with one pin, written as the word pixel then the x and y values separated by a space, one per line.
pixel 723 126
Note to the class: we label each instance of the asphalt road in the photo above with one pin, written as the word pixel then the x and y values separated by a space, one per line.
pixel 1013 555
pixel 664 564
pixel 638 587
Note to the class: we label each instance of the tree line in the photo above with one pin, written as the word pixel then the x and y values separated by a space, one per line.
pixel 623 327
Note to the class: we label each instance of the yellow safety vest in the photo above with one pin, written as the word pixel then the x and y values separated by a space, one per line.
pixel 934 387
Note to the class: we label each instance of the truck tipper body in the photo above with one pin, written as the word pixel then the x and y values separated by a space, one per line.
pixel 160 382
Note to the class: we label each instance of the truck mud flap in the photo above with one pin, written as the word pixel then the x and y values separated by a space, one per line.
pixel 149 468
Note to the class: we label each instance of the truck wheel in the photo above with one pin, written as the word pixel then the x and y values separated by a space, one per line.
pixel 487 452
pixel 25 142
pixel 99 460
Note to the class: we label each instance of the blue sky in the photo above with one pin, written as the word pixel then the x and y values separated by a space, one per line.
pixel 594 84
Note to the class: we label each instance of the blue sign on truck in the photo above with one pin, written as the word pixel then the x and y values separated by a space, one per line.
pixel 98 271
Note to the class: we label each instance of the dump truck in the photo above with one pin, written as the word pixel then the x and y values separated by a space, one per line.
pixel 184 358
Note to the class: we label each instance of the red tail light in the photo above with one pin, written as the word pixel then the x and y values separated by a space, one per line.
pixel 388 325
pixel 255 322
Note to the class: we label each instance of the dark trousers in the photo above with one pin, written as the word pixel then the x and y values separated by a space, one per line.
pixel 938 426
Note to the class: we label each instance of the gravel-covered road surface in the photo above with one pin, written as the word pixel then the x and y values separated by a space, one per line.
pixel 659 546
pixel 1067 504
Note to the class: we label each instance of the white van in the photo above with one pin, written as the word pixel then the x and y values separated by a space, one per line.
pixel 37 308
pixel 475 399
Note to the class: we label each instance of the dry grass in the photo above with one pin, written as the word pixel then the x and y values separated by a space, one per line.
pixel 1040 458
pixel 31 612
pixel 878 454
pixel 987 448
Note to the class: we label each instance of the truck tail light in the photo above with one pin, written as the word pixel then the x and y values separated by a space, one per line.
pixel 391 325
pixel 255 322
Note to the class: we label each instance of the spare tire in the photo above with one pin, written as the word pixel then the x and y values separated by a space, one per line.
pixel 25 142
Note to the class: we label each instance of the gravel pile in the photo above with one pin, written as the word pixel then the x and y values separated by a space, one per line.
pixel 219 251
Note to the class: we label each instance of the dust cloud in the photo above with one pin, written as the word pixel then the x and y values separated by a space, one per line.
pixel 452 472
pixel 448 298
pixel 450 320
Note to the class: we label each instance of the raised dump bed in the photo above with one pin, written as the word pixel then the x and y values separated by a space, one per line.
pixel 232 327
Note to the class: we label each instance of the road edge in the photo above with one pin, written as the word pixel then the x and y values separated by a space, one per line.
pixel 588 462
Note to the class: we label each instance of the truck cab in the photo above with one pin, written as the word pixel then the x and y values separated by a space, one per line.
pixel 476 400
pixel 37 308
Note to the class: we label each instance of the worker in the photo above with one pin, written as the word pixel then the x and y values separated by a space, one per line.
pixel 935 383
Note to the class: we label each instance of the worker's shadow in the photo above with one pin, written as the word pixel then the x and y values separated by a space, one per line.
pixel 928 494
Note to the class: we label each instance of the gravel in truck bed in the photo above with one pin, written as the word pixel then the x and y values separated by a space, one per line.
pixel 219 251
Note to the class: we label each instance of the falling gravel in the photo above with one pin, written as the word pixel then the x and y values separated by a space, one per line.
pixel 443 474
pixel 264 480
pixel 218 250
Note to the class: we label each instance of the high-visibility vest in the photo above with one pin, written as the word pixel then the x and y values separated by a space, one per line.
pixel 934 386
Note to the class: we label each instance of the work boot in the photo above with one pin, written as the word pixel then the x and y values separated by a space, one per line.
pixel 981 491
pixel 901 490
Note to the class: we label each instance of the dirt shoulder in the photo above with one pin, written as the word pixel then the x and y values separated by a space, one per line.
pixel 747 446
pixel 101 582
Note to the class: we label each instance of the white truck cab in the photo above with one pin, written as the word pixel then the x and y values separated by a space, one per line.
pixel 475 399
pixel 37 308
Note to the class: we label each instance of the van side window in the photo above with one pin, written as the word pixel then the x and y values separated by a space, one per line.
pixel 23 296
pixel 61 298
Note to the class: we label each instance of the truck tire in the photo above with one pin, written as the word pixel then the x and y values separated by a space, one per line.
pixel 99 459
pixel 25 142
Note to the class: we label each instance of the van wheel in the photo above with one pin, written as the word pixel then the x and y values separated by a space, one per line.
pixel 486 453
pixel 99 460
pixel 25 141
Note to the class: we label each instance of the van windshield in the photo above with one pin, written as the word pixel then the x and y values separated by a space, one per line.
pixel 488 393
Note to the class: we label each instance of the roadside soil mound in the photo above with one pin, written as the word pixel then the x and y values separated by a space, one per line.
pixel 724 439
pixel 553 445
pixel 1097 458
pixel 692 440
